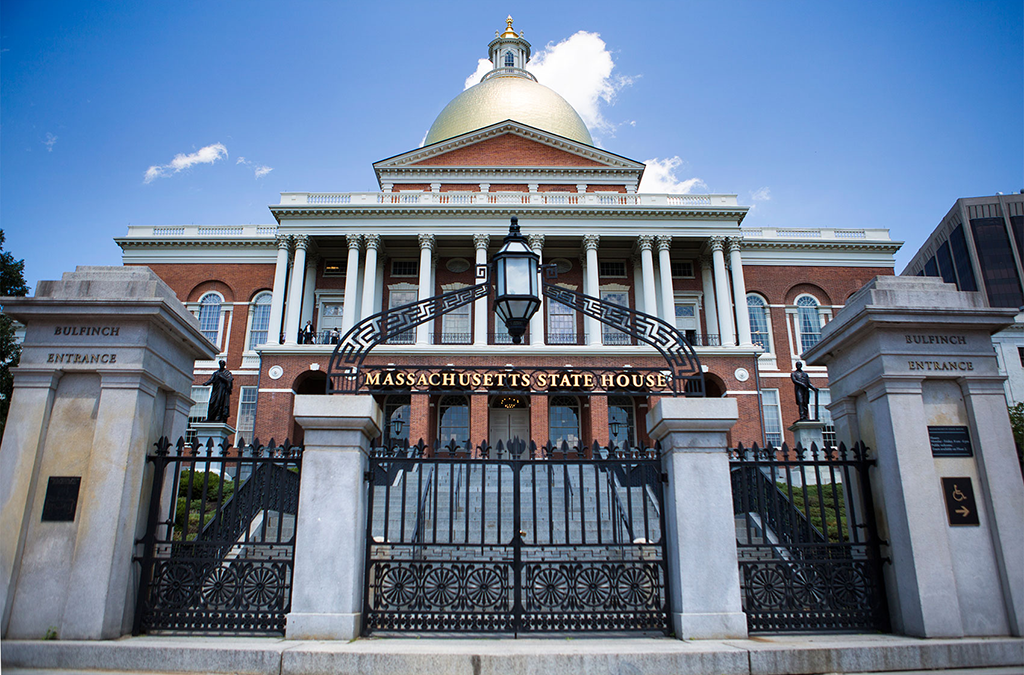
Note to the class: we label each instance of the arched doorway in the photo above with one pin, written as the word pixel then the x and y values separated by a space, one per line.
pixel 509 418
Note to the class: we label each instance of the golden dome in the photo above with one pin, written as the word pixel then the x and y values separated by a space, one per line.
pixel 502 98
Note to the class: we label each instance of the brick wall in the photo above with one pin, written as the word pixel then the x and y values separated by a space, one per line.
pixel 507 150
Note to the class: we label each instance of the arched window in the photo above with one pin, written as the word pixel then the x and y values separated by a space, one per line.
pixel 259 320
pixel 564 420
pixel 621 421
pixel 396 418
pixel 453 420
pixel 760 331
pixel 209 317
pixel 808 321
pixel 510 60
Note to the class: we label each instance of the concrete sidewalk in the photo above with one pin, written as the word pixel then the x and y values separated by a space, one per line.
pixel 481 656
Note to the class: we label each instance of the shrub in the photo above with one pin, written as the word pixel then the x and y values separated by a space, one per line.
pixel 208 479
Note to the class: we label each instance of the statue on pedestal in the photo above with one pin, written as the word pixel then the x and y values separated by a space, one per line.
pixel 802 388
pixel 220 395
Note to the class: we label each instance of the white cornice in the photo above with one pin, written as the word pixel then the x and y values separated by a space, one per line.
pixel 435 211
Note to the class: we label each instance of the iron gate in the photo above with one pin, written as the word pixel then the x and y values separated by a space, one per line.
pixel 805 535
pixel 219 544
pixel 515 539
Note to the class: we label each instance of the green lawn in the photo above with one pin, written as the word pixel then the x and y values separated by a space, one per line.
pixel 831 494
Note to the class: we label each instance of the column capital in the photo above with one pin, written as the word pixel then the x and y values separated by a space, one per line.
pixel 312 261
pixel 664 242
pixel 894 384
pixel 372 241
pixel 302 241
pixel 590 242
pixel 645 242
pixel 716 243
pixel 706 263
pixel 427 241
pixel 355 242
pixel 735 244
pixel 283 241
pixel 536 241
pixel 481 241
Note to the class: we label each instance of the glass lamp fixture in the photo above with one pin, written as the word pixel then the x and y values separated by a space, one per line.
pixel 516 297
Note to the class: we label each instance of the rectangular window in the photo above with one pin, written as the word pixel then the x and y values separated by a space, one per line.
pixel 245 423
pixel 561 324
pixel 455 329
pixel 609 335
pixel 611 268
pixel 682 269
pixel 962 260
pixel 1000 269
pixel 334 267
pixel 200 409
pixel 772 417
pixel 828 432
pixel 397 299
pixel 404 268
pixel 946 263
pixel 686 320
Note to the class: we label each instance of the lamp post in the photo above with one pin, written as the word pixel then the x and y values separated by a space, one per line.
pixel 516 294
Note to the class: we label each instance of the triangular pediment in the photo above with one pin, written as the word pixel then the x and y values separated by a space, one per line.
pixel 509 144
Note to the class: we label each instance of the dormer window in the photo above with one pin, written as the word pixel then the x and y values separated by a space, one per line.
pixel 510 60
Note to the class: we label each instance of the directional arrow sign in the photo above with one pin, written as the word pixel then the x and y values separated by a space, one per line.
pixel 960 505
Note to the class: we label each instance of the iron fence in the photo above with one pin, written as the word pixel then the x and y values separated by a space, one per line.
pixel 219 545
pixel 806 540
pixel 515 538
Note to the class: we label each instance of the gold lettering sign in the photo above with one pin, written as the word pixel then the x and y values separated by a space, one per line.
pixel 534 380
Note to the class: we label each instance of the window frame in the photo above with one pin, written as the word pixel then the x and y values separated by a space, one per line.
pixel 556 440
pixel 765 310
pixel 199 411
pixel 765 406
pixel 241 433
pixel 631 431
pixel 559 337
pixel 446 403
pixel 222 309
pixel 415 263
pixel 609 335
pixel 249 330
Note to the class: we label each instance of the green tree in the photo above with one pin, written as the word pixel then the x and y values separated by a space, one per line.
pixel 12 282
pixel 1017 423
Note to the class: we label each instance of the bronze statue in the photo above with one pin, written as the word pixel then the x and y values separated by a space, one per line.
pixel 802 387
pixel 220 396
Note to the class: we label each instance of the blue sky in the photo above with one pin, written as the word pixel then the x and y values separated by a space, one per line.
pixel 845 114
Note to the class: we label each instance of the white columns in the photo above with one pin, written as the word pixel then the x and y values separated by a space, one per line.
pixel 668 295
pixel 291 325
pixel 308 289
pixel 369 275
pixel 725 324
pixel 645 242
pixel 739 293
pixel 537 336
pixel 710 306
pixel 481 242
pixel 351 309
pixel 590 242
pixel 277 297
pixel 424 330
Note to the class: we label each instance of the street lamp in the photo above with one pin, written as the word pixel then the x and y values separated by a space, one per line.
pixel 516 298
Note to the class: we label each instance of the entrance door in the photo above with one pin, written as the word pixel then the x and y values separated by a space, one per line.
pixel 507 424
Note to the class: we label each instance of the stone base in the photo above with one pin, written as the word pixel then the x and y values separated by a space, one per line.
pixel 718 626
pixel 303 626
pixel 217 431
pixel 806 432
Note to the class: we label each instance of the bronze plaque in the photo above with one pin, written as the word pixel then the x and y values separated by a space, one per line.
pixel 960 505
pixel 950 441
pixel 61 501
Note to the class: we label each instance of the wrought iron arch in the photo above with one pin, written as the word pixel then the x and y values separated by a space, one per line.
pixel 687 377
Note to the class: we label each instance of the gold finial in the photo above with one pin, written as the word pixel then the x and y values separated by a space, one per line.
pixel 508 28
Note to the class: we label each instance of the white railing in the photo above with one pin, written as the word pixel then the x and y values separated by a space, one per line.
pixel 566 199
pixel 222 231
pixel 185 231
pixel 872 234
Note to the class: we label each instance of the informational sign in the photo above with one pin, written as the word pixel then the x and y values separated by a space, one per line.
pixel 61 501
pixel 960 505
pixel 950 441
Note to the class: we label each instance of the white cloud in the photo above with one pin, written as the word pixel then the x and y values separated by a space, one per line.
pixel 660 177
pixel 580 69
pixel 205 155
pixel 761 195
pixel 50 141
pixel 259 170
pixel 483 66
